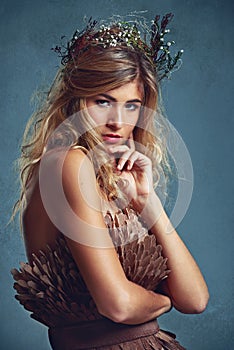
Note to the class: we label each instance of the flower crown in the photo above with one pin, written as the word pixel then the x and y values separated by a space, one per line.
pixel 126 33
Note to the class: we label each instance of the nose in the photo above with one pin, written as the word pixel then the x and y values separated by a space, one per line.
pixel 115 118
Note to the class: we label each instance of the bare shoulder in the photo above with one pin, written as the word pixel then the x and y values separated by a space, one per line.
pixel 78 170
pixel 63 156
pixel 65 165
pixel 77 159
pixel 70 172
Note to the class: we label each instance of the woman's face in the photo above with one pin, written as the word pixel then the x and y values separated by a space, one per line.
pixel 116 112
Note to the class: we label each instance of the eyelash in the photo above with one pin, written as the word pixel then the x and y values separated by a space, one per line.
pixel 105 103
pixel 102 103
pixel 133 106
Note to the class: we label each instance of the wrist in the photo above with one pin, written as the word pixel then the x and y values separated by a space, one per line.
pixel 154 215
pixel 151 210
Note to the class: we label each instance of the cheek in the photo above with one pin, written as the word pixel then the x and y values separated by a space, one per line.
pixel 98 116
pixel 134 121
pixel 129 129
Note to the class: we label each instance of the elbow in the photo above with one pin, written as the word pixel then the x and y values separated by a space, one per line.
pixel 202 301
pixel 117 316
pixel 201 305
pixel 117 311
pixel 195 305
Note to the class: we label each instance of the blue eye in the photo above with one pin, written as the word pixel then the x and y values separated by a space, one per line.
pixel 103 103
pixel 131 107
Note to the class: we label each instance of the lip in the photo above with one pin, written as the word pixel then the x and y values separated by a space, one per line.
pixel 111 138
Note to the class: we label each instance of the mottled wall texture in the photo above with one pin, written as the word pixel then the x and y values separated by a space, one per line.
pixel 198 101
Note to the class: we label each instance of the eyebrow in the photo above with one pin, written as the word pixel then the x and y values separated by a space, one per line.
pixel 111 98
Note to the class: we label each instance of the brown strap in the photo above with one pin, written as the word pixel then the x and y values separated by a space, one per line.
pixel 98 333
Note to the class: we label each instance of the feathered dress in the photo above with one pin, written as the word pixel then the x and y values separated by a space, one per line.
pixel 53 290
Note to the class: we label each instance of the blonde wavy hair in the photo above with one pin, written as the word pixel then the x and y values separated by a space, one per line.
pixel 96 71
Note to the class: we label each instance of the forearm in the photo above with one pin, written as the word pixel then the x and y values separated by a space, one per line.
pixel 138 305
pixel 116 297
pixel 185 284
pixel 146 305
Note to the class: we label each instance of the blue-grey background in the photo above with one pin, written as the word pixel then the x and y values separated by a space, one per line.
pixel 199 102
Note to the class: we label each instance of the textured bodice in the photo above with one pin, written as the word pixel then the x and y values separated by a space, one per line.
pixel 53 290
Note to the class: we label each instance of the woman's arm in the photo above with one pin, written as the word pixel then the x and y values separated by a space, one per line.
pixel 116 297
pixel 185 284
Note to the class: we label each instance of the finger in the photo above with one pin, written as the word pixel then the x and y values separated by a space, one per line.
pixel 132 159
pixel 123 152
pixel 124 159
pixel 140 160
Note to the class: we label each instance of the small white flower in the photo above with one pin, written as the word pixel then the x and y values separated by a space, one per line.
pixel 182 51
pixel 161 47
pixel 168 43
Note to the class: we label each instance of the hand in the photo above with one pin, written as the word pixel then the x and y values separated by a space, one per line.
pixel 135 172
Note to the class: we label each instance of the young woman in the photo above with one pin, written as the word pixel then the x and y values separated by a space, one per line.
pixel 101 266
